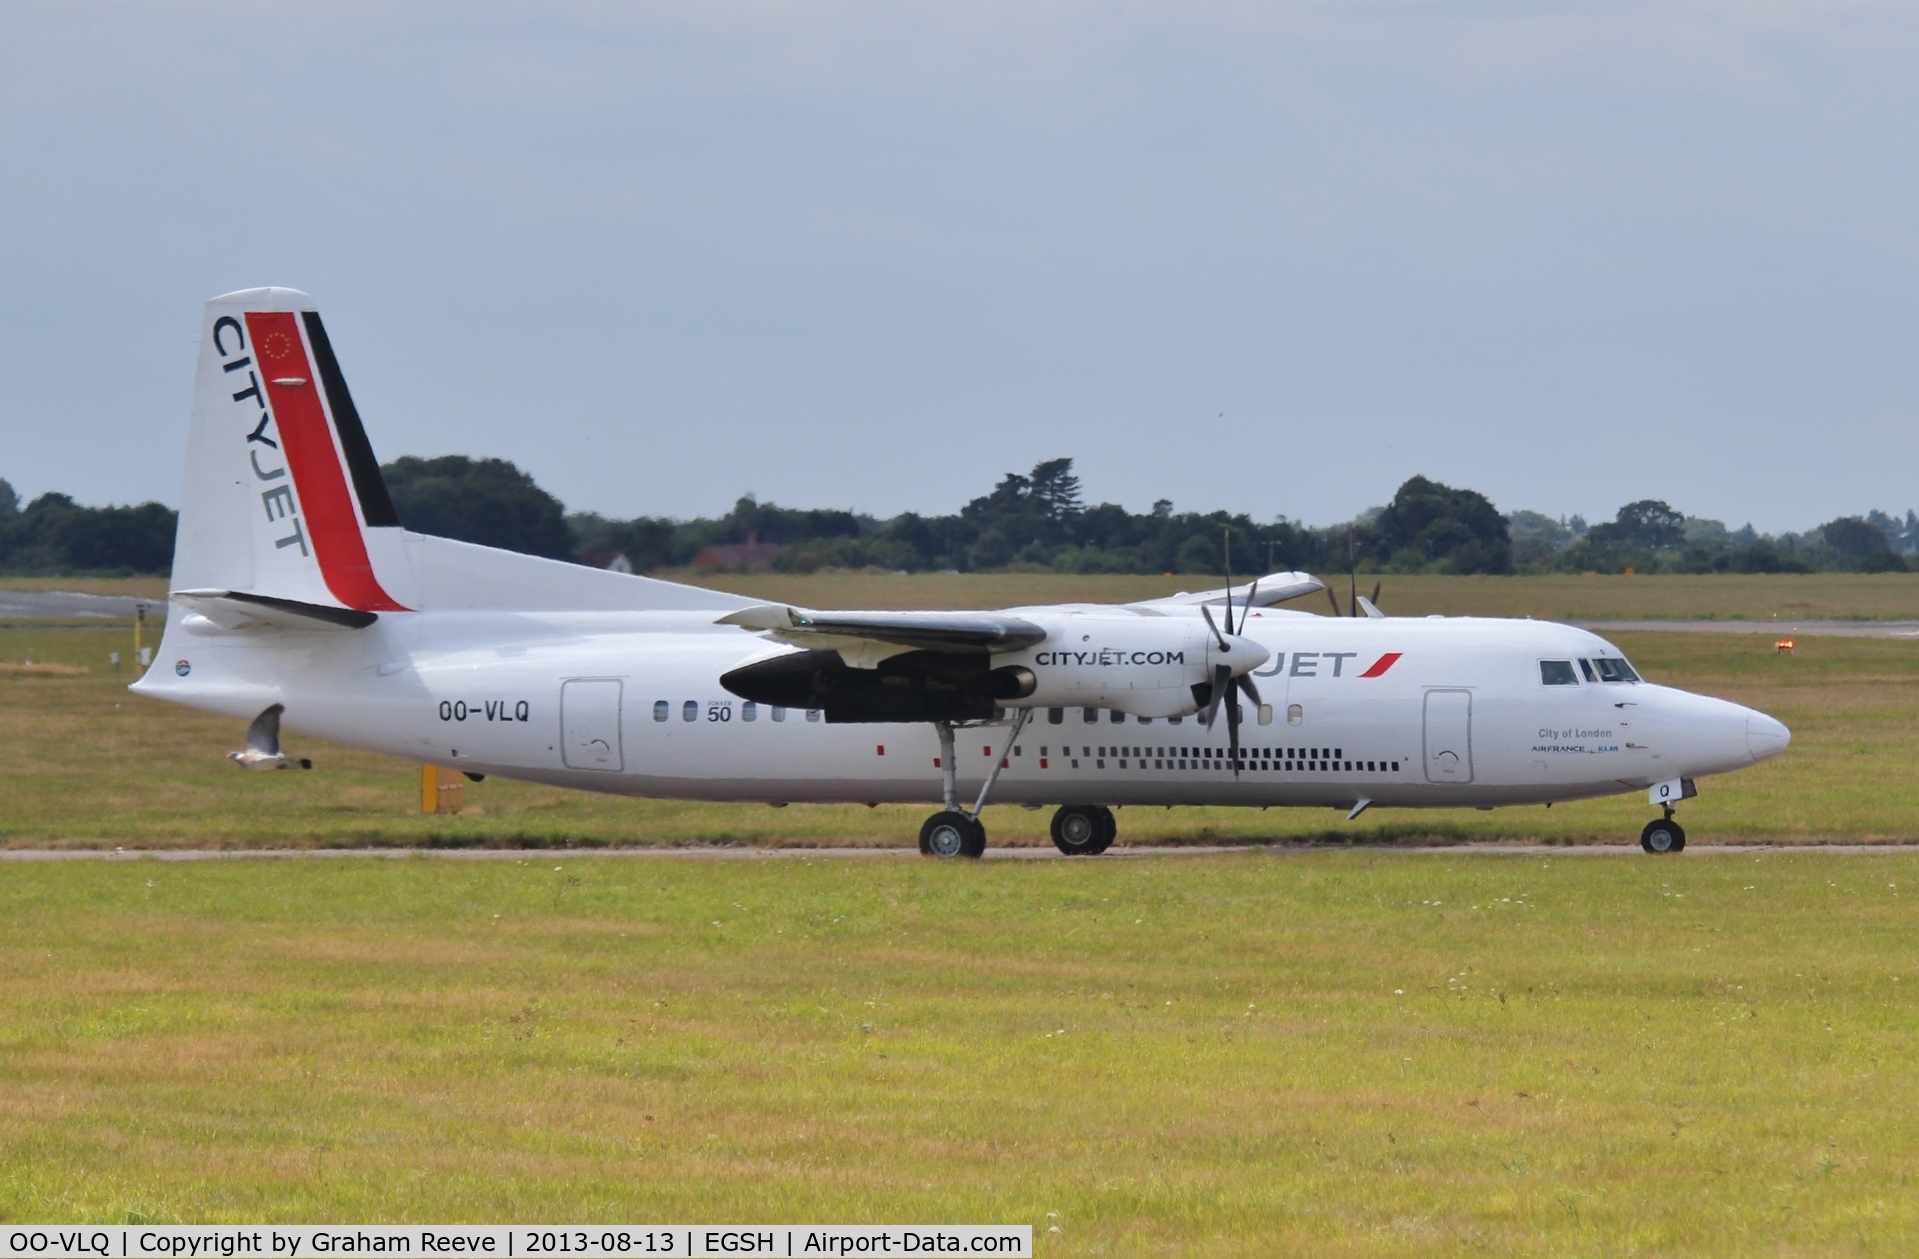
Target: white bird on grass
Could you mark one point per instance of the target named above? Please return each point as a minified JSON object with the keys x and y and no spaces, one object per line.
{"x":263,"y":744}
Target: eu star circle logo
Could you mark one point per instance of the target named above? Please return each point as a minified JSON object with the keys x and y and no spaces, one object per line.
{"x":182,"y":667}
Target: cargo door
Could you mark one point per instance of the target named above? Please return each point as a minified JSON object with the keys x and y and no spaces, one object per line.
{"x":590,"y":724}
{"x":1449,"y":736}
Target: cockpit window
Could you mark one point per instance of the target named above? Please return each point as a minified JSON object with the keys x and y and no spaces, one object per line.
{"x":1557,"y":673}
{"x":1614,"y":670}
{"x":1586,"y":667}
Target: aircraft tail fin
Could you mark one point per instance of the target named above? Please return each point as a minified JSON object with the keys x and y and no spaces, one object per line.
{"x":282,"y":486}
{"x":284,"y":506}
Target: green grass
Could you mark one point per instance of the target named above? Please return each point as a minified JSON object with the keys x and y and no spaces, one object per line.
{"x":1324,"y":1053}
{"x":1811,"y":596}
{"x":85,"y":763}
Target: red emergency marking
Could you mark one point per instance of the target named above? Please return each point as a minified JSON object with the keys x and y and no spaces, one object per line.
{"x":1042,"y":762}
{"x":1382,"y":664}
{"x":882,"y":749}
{"x":936,"y":762}
{"x":318,"y":475}
{"x":986,"y":751}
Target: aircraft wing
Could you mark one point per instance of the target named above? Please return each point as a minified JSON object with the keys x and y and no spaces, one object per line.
{"x":949,"y":632}
{"x":1273,"y":588}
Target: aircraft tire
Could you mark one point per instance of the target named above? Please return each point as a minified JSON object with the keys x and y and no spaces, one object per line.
{"x":950,"y":833}
{"x":1108,"y":828}
{"x":1079,"y":830}
{"x":1663,"y":836}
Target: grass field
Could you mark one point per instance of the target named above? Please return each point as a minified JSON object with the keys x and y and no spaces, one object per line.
{"x":1809,"y":596}
{"x":1276,"y":1052}
{"x":83,"y":762}
{"x":1326,"y":1053}
{"x":1812,"y":596}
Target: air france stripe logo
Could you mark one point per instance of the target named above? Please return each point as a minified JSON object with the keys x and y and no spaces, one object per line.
{"x":1382,"y":664}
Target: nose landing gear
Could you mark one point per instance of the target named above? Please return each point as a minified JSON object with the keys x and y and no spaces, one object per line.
{"x":1663,"y":835}
{"x":1084,"y":830}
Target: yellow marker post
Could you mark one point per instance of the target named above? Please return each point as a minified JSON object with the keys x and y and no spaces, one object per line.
{"x":441,"y":790}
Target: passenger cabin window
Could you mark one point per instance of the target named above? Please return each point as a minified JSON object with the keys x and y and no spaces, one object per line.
{"x":1557,"y":673}
{"x":1614,"y":670}
{"x":749,"y":711}
{"x":812,"y":714}
{"x":1055,"y":715}
{"x":690,"y":711}
{"x":779,"y":714}
{"x":661,"y":710}
{"x":1089,"y":715}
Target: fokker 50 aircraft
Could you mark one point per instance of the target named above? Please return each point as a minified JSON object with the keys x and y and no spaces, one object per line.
{"x":298,"y":598}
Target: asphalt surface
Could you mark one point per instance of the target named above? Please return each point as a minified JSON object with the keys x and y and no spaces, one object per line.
{"x":1003,"y":854}
{"x":1785,"y":629}
{"x":61,"y":605}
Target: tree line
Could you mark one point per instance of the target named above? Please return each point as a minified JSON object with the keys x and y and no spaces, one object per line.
{"x":1035,"y":521}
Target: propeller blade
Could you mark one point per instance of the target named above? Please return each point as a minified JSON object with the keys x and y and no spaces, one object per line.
{"x":1252,"y":593}
{"x":1208,"y":614}
{"x":1228,"y":543}
{"x":1232,"y":729}
{"x":1352,"y":592}
{"x":1375,"y":593}
{"x":1334,"y":600}
{"x":1222,"y":687}
{"x":1245,"y":683}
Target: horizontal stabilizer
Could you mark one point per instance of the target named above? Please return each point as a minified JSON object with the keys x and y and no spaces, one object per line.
{"x":239,"y":610}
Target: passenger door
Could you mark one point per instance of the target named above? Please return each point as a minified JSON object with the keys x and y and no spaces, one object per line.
{"x":1449,"y":736}
{"x":590,"y":724}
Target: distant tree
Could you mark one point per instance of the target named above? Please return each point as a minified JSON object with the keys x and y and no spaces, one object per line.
{"x":1647,"y":525}
{"x":1536,"y":537}
{"x":1429,"y":525}
{"x":1862,"y":544}
{"x":486,"y":501}
{"x":9,"y":502}
{"x":56,"y":535}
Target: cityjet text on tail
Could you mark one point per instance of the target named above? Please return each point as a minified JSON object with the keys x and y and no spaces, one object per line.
{"x":301,"y":604}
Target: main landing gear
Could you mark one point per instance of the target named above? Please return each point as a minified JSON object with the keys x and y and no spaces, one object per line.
{"x":1084,"y":830}
{"x":955,"y":831}
{"x":1663,"y":835}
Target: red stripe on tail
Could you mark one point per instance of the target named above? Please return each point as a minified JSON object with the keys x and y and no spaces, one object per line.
{"x":325,"y":499}
{"x":1382,"y":664}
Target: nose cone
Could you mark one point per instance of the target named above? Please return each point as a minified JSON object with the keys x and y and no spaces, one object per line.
{"x":1242,"y":655}
{"x":1764,"y":736}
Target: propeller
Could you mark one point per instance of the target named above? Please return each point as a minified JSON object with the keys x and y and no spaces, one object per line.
{"x":1334,"y":600}
{"x":1224,"y":682}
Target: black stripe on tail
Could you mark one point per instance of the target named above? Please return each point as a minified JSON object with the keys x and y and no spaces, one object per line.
{"x":376,"y":505}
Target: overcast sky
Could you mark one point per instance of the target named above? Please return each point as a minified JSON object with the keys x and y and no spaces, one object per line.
{"x":1269,"y":257}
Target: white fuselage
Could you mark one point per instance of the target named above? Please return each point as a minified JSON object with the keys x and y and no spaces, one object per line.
{"x":631,"y":703}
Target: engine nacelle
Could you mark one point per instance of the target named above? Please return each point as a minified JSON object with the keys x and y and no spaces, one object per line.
{"x":1145,"y":666}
